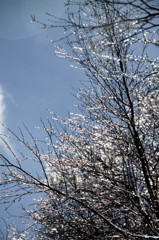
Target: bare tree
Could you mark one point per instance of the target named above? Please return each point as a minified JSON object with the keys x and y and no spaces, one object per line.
{"x":99,"y":170}
{"x":142,"y":13}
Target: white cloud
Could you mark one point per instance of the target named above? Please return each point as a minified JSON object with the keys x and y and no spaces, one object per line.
{"x":3,"y":130}
{"x":3,"y":147}
{"x":2,"y":110}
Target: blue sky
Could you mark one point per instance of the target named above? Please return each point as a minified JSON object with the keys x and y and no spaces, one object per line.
{"x":32,"y":78}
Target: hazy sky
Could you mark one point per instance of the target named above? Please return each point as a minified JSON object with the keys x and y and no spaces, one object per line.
{"x":32,"y":78}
